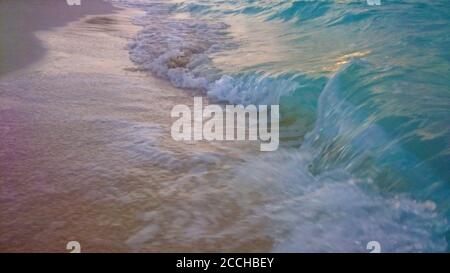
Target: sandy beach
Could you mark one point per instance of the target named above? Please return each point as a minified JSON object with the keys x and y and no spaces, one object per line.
{"x":86,"y":153}
{"x":19,"y":20}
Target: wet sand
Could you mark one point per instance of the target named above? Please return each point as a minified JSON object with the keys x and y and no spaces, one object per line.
{"x":20,"y":19}
{"x":86,"y":155}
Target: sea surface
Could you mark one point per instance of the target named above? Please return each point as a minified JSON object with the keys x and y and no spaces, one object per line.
{"x":364,"y":95}
{"x":86,"y":152}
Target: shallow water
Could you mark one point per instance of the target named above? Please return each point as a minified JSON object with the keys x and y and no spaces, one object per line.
{"x":86,"y":155}
{"x":365,"y":101}
{"x":86,"y":151}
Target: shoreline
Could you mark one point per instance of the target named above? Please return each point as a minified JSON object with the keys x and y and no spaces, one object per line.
{"x":88,"y":155}
{"x":44,"y":124}
{"x":22,"y":47}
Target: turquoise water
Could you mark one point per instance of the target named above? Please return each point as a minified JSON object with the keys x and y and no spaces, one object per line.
{"x":364,"y":93}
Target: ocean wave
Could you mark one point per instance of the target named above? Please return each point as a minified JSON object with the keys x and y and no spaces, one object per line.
{"x":363,"y":133}
{"x":333,"y":211}
{"x":362,"y":90}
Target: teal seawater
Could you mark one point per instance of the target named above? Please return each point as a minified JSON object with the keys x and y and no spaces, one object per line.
{"x":362,"y":89}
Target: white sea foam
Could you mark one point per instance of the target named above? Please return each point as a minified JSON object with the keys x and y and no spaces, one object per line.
{"x":180,"y":49}
{"x":333,"y":211}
